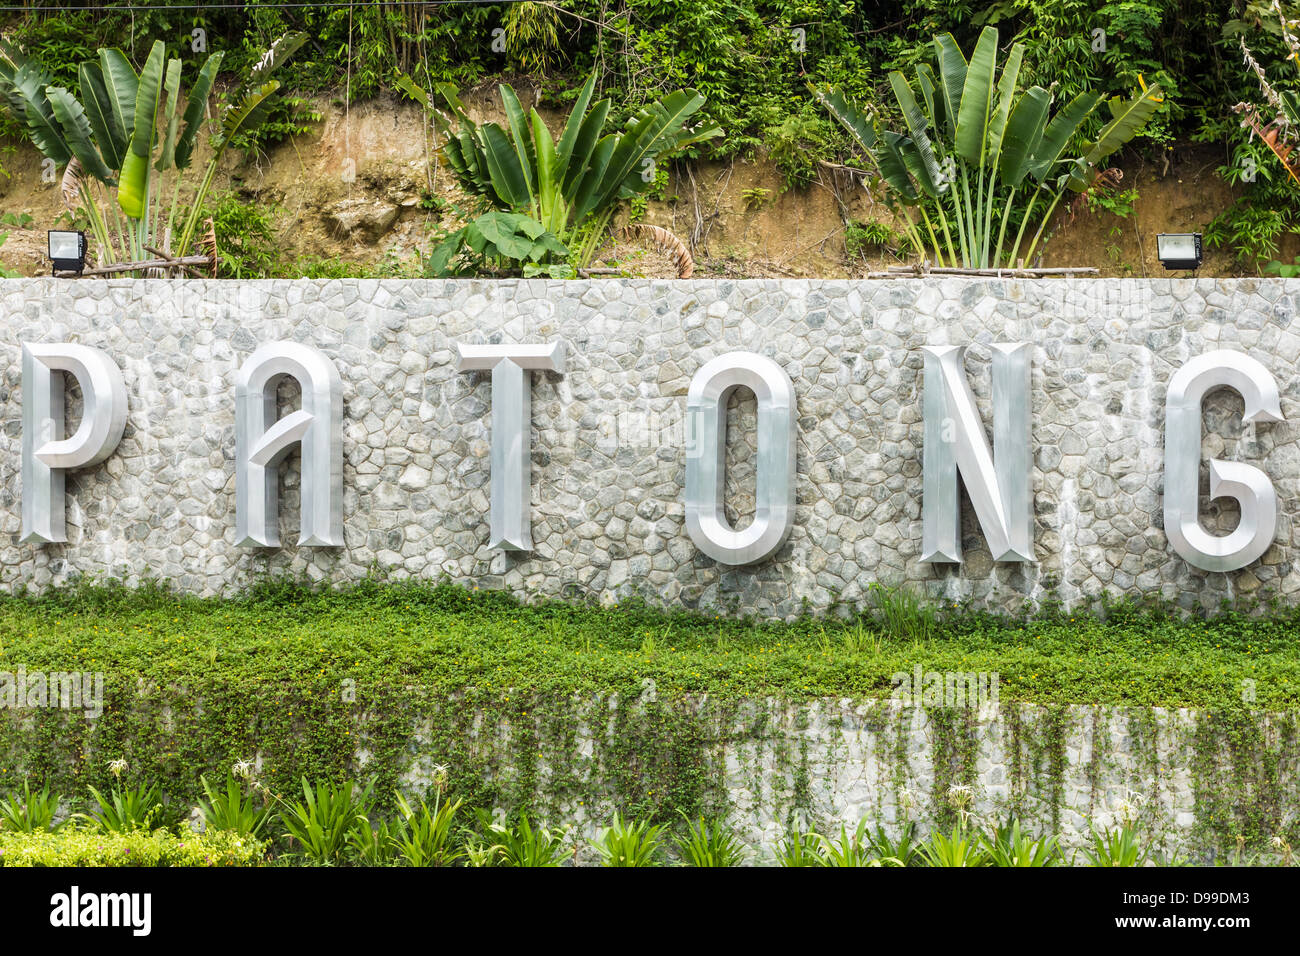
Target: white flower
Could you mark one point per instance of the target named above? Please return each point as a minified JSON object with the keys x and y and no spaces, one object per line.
{"x":441,"y":773}
{"x":959,"y":795}
{"x":117,"y":767}
{"x":243,"y":770}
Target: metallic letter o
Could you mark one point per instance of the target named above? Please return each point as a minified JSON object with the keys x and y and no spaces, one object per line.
{"x":706,"y":436}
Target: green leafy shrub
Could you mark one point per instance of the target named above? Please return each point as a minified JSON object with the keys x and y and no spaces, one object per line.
{"x":1118,"y":847}
{"x":852,"y":849}
{"x":30,"y":812}
{"x":959,"y":848}
{"x":424,"y":836}
{"x":520,"y":844}
{"x":499,"y":239}
{"x":320,"y":825}
{"x":799,"y":849}
{"x":1008,"y":845}
{"x":247,"y":246}
{"x":630,"y":844}
{"x":231,"y":809}
{"x":80,"y":846}
{"x":710,"y":843}
{"x":124,"y":809}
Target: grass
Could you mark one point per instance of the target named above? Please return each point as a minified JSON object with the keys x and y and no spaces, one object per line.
{"x":446,"y":638}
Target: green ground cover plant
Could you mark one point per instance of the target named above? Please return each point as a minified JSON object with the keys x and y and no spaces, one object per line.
{"x":307,"y":678}
{"x":446,"y":638}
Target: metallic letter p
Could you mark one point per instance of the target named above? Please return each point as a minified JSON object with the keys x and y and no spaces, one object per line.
{"x":46,"y":453}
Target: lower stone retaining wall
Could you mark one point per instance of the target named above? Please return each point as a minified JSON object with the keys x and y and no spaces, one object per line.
{"x":1193,"y":782}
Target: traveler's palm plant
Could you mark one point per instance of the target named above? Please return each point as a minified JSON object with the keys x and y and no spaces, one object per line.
{"x":571,"y":187}
{"x":976,"y":150}
{"x":128,"y":132}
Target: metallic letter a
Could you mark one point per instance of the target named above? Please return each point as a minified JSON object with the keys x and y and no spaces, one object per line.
{"x":46,"y":453}
{"x":955,"y":443}
{"x":262,"y":441}
{"x":512,"y":404}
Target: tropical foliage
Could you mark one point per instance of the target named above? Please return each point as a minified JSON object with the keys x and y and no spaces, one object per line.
{"x":340,"y":825}
{"x":130,"y":132}
{"x":570,"y":189}
{"x":973,"y":143}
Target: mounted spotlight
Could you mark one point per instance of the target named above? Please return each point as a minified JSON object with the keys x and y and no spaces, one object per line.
{"x":1179,"y":250}
{"x":67,"y":251}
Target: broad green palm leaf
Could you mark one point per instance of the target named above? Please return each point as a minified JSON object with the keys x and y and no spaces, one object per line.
{"x":988,"y":138}
{"x":1024,"y":131}
{"x":925,"y":167}
{"x":1128,"y":117}
{"x":562,"y":184}
{"x":195,"y":108}
{"x":977,"y":99}
{"x":79,"y":136}
{"x":103,"y":119}
{"x":133,"y":184}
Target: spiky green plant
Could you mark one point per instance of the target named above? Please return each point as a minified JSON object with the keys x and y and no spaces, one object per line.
{"x":30,"y":812}
{"x":572,"y":187}
{"x":630,"y":844}
{"x":710,"y":843}
{"x":521,"y":844}
{"x":129,"y":132}
{"x":1118,"y":847}
{"x":230,"y":808}
{"x":424,"y":836}
{"x":319,"y":825}
{"x":124,"y":809}
{"x":960,"y":848}
{"x":1009,"y":845}
{"x":972,"y":143}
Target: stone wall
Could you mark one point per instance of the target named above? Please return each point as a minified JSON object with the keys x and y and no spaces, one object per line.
{"x":608,"y":458}
{"x":1192,"y":783}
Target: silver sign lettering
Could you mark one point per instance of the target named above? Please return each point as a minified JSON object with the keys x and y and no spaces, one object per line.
{"x":511,"y":439}
{"x":47,"y":455}
{"x":263,"y":440}
{"x":1251,"y":488}
{"x":997,"y":481}
{"x":706,"y":435}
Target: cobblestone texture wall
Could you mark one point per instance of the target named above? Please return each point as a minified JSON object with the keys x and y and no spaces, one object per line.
{"x":608,"y":458}
{"x":1182,"y":778}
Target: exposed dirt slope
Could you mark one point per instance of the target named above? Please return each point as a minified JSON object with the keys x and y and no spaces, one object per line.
{"x":366,"y":187}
